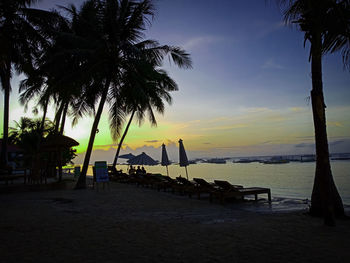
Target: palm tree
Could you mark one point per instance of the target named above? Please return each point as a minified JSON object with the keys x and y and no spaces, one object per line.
{"x":142,"y":91}
{"x":47,"y":83}
{"x":113,"y":28}
{"x":33,"y":87}
{"x":20,"y":38}
{"x":27,"y":134}
{"x":326,"y":25}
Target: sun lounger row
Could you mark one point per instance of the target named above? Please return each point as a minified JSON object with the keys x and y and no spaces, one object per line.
{"x":221,"y":190}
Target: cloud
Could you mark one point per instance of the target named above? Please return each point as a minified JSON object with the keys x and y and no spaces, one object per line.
{"x":266,"y":142}
{"x":170,"y":143}
{"x":335,"y":124}
{"x":297,"y":109}
{"x":106,"y":147}
{"x":266,"y":28}
{"x":152,"y":141}
{"x":304,"y":145}
{"x":334,"y":143}
{"x":310,"y":137}
{"x":334,"y":146}
{"x":256,"y":109}
{"x":227,"y":127}
{"x":339,"y":137}
{"x":200,"y":41}
{"x":271,"y":64}
{"x":276,"y":118}
{"x":339,"y":146}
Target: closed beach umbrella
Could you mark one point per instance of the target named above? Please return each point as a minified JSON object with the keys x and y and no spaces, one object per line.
{"x":142,"y":159}
{"x":183,"y":157}
{"x":165,"y":159}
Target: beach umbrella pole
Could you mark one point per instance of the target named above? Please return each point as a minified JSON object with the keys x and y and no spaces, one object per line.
{"x":167,"y":172}
{"x":186,"y":172}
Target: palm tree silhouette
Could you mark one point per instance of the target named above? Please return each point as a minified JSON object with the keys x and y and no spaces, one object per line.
{"x":110,"y":31}
{"x":27,"y":134}
{"x":326,"y":25}
{"x":144,"y":88}
{"x":54,"y":78}
{"x":21,"y":37}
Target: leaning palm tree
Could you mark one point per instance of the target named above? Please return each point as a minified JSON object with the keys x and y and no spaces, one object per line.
{"x":144,"y":89}
{"x":114,"y":27}
{"x":20,"y":38}
{"x":326,"y":25}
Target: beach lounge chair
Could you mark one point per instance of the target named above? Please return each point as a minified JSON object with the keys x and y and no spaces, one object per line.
{"x":185,"y":186}
{"x":166,"y":182}
{"x":224,"y":185}
{"x":205,"y":187}
{"x":228,"y":190}
{"x":149,"y":180}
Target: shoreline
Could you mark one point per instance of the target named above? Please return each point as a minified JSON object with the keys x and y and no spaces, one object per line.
{"x":281,"y":203}
{"x":133,"y":224}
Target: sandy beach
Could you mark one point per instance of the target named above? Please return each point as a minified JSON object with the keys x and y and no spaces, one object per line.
{"x":131,"y":224}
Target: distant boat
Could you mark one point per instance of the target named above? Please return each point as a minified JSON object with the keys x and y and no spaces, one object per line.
{"x":307,"y":158}
{"x":275,"y":160}
{"x":246,"y":161}
{"x":340,"y":158}
{"x":216,"y":160}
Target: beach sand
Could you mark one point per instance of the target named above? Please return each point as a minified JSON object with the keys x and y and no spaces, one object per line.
{"x":131,"y":224}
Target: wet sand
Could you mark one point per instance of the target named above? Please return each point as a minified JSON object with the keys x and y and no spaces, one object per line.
{"x":131,"y":224}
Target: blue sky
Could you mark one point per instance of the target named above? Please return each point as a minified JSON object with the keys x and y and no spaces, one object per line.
{"x":247,"y":93}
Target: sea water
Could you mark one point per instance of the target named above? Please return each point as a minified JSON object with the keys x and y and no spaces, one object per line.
{"x":292,"y":180}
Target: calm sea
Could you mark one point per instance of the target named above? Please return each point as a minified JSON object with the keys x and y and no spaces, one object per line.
{"x":291,"y":180}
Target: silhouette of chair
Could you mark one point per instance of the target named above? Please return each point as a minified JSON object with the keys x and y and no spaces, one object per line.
{"x":205,"y":187}
{"x":185,"y":186}
{"x":165,"y":182}
{"x":228,"y":190}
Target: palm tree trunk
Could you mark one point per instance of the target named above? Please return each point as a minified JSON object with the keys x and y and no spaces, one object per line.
{"x":58,"y":117}
{"x":122,"y":139}
{"x":325,"y":199}
{"x":5,"y":82}
{"x":63,"y":121}
{"x":44,"y":117}
{"x":81,"y":184}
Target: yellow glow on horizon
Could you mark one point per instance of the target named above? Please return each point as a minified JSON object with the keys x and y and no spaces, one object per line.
{"x":244,"y":130}
{"x":261,"y":126}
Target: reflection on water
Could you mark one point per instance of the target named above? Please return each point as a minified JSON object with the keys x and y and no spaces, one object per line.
{"x":292,"y":180}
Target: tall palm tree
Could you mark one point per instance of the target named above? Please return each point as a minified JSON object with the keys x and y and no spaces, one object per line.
{"x":144,"y":88}
{"x":20,"y":38}
{"x":326,"y":26}
{"x":113,"y":28}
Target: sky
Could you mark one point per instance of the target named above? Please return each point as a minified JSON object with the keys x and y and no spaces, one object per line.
{"x":247,"y":94}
